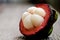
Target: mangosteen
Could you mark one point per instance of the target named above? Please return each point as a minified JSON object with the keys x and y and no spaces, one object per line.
{"x":37,"y":22}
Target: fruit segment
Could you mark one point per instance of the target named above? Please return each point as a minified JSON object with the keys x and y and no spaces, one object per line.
{"x":40,"y":11}
{"x":31,"y":10}
{"x":25,"y":14}
{"x":27,"y":22}
{"x":37,"y":20}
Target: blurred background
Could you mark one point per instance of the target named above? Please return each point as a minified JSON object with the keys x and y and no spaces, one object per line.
{"x":11,"y":12}
{"x":53,"y":3}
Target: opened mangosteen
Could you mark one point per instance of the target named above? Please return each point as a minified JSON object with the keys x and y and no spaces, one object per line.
{"x":37,"y":22}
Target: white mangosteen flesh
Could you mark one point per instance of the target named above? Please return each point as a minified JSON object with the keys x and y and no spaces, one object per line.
{"x":33,"y":17}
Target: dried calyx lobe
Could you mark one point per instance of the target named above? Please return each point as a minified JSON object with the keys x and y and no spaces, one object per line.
{"x":44,"y":33}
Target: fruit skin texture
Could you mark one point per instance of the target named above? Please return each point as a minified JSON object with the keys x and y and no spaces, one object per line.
{"x":45,"y":32}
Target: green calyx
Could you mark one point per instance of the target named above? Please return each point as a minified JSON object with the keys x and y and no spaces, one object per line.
{"x":50,"y":31}
{"x":52,"y":20}
{"x":56,"y":15}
